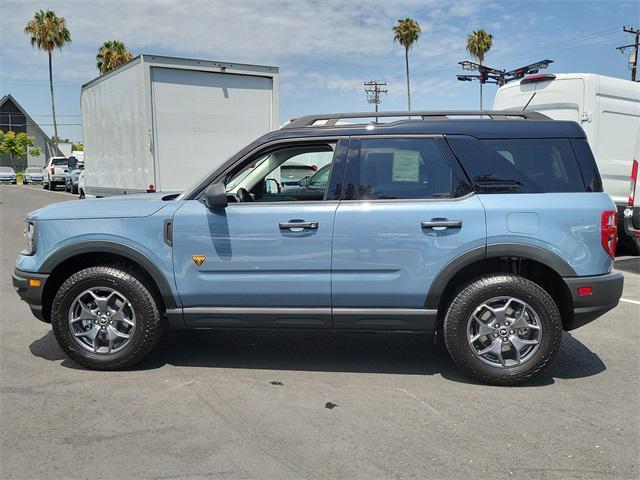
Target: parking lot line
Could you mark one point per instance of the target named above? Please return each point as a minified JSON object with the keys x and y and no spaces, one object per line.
{"x":635,"y":302}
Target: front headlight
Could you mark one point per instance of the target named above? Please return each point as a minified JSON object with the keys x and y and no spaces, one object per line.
{"x":30,"y":237}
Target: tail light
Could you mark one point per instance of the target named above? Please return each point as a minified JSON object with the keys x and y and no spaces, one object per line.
{"x":634,"y":178}
{"x":609,"y":231}
{"x":53,"y":170}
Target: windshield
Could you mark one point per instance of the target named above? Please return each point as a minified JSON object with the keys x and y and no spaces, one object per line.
{"x":33,"y":170}
{"x":6,"y":169}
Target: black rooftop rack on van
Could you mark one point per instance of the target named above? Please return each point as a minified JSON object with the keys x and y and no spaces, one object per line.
{"x":331,"y":119}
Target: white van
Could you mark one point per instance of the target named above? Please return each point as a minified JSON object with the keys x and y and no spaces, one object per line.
{"x":607,"y":108}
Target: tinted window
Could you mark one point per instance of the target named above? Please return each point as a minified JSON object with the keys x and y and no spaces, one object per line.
{"x":587,"y":163}
{"x":519,"y":165}
{"x":59,"y":161}
{"x":395,"y":168}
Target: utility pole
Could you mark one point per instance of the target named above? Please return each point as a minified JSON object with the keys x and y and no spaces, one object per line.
{"x":373,"y":91}
{"x":633,"y":56}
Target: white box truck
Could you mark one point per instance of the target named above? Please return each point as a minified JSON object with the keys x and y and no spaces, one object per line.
{"x":607,"y":108}
{"x":161,"y":123}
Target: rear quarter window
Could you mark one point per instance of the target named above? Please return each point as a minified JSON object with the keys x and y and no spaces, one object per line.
{"x":538,"y":165}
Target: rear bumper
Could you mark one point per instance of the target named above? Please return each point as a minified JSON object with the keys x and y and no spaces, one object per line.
{"x":632,"y":221}
{"x":32,"y":296}
{"x":606,"y":292}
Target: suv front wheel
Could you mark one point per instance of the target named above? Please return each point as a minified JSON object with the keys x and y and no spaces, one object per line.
{"x":105,"y":318}
{"x":503,"y":329}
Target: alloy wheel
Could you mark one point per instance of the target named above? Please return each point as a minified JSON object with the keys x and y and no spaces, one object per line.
{"x":102,"y":320}
{"x":504,"y":332}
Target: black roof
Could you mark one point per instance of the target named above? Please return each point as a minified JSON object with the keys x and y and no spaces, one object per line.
{"x":480,"y":124}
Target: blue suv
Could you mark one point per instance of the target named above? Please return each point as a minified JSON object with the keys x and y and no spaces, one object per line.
{"x":488,"y":229}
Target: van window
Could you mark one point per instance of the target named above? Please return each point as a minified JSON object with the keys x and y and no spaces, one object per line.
{"x":521,"y":165}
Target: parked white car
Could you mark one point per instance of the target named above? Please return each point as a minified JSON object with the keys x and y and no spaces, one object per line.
{"x":7,"y":175}
{"x":32,"y":175}
{"x":55,"y":172}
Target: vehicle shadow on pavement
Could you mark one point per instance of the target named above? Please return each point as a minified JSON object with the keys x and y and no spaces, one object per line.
{"x":405,"y":354}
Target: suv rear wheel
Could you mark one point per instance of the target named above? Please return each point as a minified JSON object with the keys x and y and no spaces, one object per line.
{"x":105,"y":318}
{"x":503,"y":329}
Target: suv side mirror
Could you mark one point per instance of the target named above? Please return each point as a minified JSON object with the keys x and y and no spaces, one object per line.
{"x":215,"y":197}
{"x":72,"y":162}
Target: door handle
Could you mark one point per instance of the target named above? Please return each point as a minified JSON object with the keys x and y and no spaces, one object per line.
{"x":441,"y":224}
{"x":295,"y":224}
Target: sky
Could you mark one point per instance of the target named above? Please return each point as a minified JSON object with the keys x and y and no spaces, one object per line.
{"x":325,"y":49}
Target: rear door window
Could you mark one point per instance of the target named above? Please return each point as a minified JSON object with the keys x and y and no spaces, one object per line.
{"x":399,"y":168}
{"x":519,"y":165}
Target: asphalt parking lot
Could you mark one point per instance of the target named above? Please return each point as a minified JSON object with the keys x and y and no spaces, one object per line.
{"x":309,"y":405}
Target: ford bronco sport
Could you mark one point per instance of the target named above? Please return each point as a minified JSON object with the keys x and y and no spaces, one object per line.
{"x":489,"y":229}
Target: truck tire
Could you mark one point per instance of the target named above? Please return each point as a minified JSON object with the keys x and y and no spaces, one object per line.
{"x":630,"y":245}
{"x":45,"y":185}
{"x":502,"y":329}
{"x":105,"y":318}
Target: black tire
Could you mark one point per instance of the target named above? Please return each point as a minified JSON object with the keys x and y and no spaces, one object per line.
{"x":475,"y":294}
{"x":148,"y":326}
{"x":630,"y":245}
{"x":82,"y":195}
{"x":53,"y":186}
{"x":45,"y":185}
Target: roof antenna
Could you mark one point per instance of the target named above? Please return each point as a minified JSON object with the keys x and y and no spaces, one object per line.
{"x":525,"y":107}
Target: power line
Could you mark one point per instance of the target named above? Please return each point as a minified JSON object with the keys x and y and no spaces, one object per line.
{"x":633,"y":56}
{"x":373,"y":91}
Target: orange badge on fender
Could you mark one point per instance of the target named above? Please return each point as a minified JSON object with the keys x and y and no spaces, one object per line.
{"x":198,"y":259}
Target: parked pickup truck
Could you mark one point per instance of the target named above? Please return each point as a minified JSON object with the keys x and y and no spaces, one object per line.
{"x":55,"y":172}
{"x":494,"y":234}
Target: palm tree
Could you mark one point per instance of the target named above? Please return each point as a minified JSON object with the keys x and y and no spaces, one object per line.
{"x":479,"y":43}
{"x":48,"y":31}
{"x":111,"y":55}
{"x":406,"y":33}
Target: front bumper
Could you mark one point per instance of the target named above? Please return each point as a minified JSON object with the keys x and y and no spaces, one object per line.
{"x":606,"y":291}
{"x":31,"y":295}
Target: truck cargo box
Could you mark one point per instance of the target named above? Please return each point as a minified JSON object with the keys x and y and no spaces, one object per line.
{"x":161,"y":123}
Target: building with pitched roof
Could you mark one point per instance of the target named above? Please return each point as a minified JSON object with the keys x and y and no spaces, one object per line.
{"x":15,"y":118}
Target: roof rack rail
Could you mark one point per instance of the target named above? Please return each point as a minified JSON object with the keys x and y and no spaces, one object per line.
{"x":330,"y":119}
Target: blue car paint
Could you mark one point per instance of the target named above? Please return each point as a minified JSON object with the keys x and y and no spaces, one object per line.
{"x":250,"y":260}
{"x":125,"y":206}
{"x":568,"y":224}
{"x":383,"y":258}
{"x":136,"y":223}
{"x":370,"y":254}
